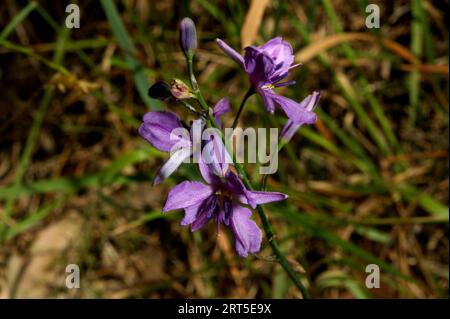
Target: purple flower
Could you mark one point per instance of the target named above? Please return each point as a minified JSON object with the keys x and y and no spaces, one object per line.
{"x":266,"y":66}
{"x":221,"y":199}
{"x":291,"y":126}
{"x":165,"y":132}
{"x":221,"y":107}
{"x":160,"y":129}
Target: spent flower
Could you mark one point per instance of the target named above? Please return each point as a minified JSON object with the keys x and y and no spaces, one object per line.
{"x":181,"y":90}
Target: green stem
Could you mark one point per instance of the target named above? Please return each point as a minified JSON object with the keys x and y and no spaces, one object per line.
{"x":192,"y":78}
{"x":271,"y":239}
{"x":241,"y":107}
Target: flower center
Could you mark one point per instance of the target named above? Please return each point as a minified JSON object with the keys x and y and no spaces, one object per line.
{"x":268,"y":86}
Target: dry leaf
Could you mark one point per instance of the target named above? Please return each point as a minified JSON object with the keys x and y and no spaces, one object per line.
{"x":253,"y":21}
{"x":320,"y":46}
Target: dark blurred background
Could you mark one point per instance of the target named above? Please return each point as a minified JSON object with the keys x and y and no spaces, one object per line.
{"x":368,"y":183}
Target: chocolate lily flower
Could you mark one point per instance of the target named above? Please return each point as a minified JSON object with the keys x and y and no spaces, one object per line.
{"x":221,"y":199}
{"x":266,"y":66}
{"x":165,"y":132}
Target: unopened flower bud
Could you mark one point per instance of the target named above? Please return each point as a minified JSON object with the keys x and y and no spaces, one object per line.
{"x":180,"y":90}
{"x":188,"y":37}
{"x":160,"y":90}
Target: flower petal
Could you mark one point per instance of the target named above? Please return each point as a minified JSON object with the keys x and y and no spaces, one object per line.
{"x":234,"y":184}
{"x":272,"y":42}
{"x":157,"y":129}
{"x":205,"y":213}
{"x":289,"y":129}
{"x":221,"y":107}
{"x":268,"y":102}
{"x":253,"y":198}
{"x":246,"y":232}
{"x":190,"y":213}
{"x":310,"y":102}
{"x":294,"y":111}
{"x":282,"y":56}
{"x":186,"y":194}
{"x":259,"y":197}
{"x":207,"y":173}
{"x":172,"y":164}
{"x":231,"y":52}
{"x":258,"y":65}
{"x":214,"y":153}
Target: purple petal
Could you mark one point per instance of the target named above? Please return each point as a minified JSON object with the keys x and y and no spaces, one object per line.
{"x":221,"y":107}
{"x":157,"y":128}
{"x":257,"y":197}
{"x":282,"y":55}
{"x":225,"y":211}
{"x":205,"y":212}
{"x":310,"y":102}
{"x":258,"y":65}
{"x":268,"y":102}
{"x":289,"y":129}
{"x":272,"y":42}
{"x":231,"y":52}
{"x":172,"y":164}
{"x":235,"y":186}
{"x":247,"y":234}
{"x":215,"y":154}
{"x":294,"y":111}
{"x":207,"y":173}
{"x":190,"y":213}
{"x":187,"y":194}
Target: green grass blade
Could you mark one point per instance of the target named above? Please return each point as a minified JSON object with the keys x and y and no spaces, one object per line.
{"x":416,"y":49}
{"x":125,"y":41}
{"x":106,"y":176}
{"x":11,"y":26}
{"x":33,"y":219}
{"x":33,"y":135}
{"x":315,"y":230}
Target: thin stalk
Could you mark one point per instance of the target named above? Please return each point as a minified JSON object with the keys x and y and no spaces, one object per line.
{"x":192,"y":78}
{"x":241,"y":107}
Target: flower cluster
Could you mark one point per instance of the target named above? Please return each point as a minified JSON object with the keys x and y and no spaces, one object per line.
{"x":223,"y":197}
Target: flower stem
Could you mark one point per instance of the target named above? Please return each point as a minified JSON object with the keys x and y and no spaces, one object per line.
{"x":192,"y":78}
{"x":271,"y":238}
{"x":241,"y":107}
